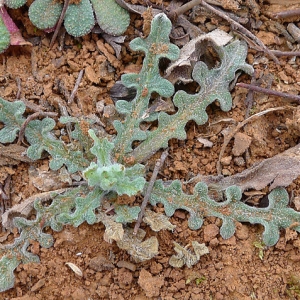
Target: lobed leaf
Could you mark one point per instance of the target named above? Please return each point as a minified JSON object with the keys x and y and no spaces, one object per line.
{"x":274,"y":217}
{"x":214,"y":86}
{"x":11,"y":115}
{"x":148,"y":81}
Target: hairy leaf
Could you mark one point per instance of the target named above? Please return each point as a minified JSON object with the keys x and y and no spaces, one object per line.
{"x":274,"y":217}
{"x":214,"y":86}
{"x":155,"y":47}
{"x":111,"y":17}
{"x":11,"y":115}
{"x":4,"y":36}
{"x":44,"y":14}
{"x":83,"y":12}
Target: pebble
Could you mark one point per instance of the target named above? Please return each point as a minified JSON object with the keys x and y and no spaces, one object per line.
{"x":126,"y":264}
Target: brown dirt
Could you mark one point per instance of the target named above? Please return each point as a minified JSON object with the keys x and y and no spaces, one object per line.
{"x":234,"y":268}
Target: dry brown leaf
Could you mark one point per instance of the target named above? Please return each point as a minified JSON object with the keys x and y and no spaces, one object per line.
{"x":278,"y":171}
{"x":24,"y":208}
{"x":181,"y":69}
{"x":12,"y":155}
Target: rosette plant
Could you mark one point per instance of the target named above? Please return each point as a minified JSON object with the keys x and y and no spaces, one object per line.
{"x":79,"y":19}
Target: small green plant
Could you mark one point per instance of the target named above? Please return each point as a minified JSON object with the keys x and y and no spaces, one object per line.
{"x":261,"y":247}
{"x":44,"y":14}
{"x":113,"y":166}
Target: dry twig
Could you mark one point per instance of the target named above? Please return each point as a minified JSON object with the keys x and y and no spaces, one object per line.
{"x":18,"y":80}
{"x":71,"y":98}
{"x":287,"y":13}
{"x":158,"y":165}
{"x":58,"y":25}
{"x":32,"y":117}
{"x":255,"y":88}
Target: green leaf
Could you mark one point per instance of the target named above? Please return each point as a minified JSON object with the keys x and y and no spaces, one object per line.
{"x":44,"y":14}
{"x":82,"y":11}
{"x":4,"y":36}
{"x":11,"y":115}
{"x":126,"y":214}
{"x":110,"y":176}
{"x":111,"y":17}
{"x":85,"y":209}
{"x":7,"y":267}
{"x":214,"y":85}
{"x":38,"y":134}
{"x":14,"y":3}
{"x":274,"y":217}
{"x":156,"y":46}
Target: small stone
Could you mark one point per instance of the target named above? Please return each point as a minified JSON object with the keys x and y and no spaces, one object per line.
{"x":100,"y":263}
{"x":214,"y":243}
{"x":241,"y":143}
{"x":225,"y":161}
{"x":226,"y":172}
{"x":150,"y":284}
{"x":242,"y":231}
{"x":91,"y":75}
{"x":126,"y":264}
{"x":210,"y":232}
{"x":231,"y":241}
{"x":179,"y":214}
{"x":239,"y":161}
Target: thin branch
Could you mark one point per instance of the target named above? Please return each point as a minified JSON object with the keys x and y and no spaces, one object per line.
{"x":285,"y":53}
{"x":287,"y":13}
{"x":259,"y":89}
{"x":71,"y":98}
{"x":32,"y":117}
{"x":158,"y":165}
{"x":18,"y":80}
{"x":58,"y":25}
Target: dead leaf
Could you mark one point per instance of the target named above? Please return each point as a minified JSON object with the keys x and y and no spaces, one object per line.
{"x":138,"y":249}
{"x":12,"y":154}
{"x":23,"y":209}
{"x":181,"y":69}
{"x":17,"y":39}
{"x":278,"y":171}
{"x":137,"y":9}
{"x":184,"y":256}
{"x":115,"y":42}
{"x":157,"y":221}
{"x":206,"y":143}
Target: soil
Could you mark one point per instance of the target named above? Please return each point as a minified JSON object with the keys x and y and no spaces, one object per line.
{"x":238,"y":268}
